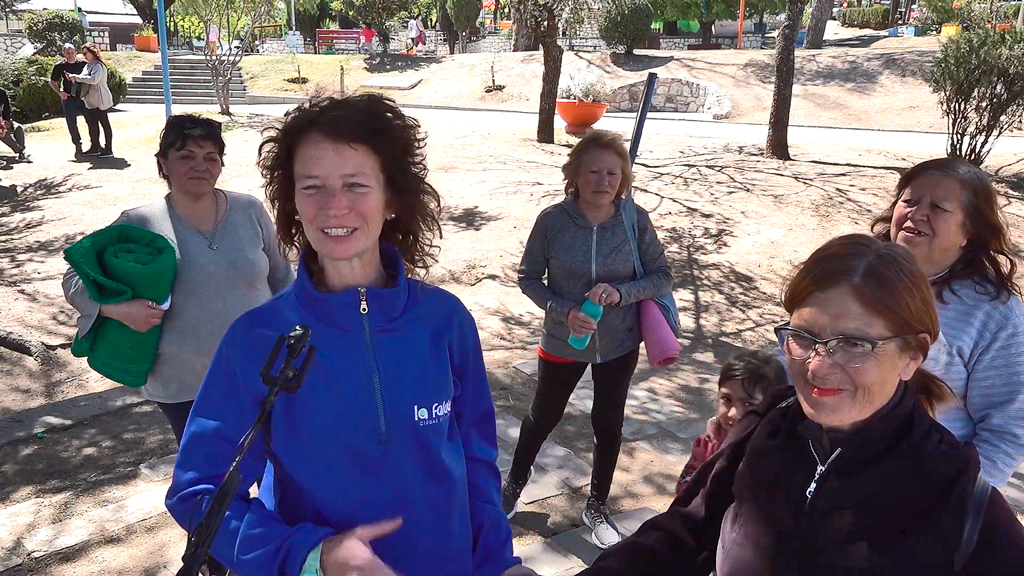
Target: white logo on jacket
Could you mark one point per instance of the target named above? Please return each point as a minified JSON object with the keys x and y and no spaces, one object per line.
{"x":436,"y":413}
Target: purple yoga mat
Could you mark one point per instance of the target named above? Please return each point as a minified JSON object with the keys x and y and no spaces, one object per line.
{"x":662,"y":345}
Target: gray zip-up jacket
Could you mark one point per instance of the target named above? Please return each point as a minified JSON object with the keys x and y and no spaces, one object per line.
{"x":576,"y":256}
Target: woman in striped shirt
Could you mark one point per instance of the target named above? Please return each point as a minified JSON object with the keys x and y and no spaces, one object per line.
{"x":946,"y":212}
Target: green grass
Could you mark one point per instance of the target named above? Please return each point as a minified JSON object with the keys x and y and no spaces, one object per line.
{"x":269,"y":74}
{"x":131,"y":64}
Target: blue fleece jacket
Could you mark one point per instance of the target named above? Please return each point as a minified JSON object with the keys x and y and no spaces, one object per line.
{"x":395,"y":418}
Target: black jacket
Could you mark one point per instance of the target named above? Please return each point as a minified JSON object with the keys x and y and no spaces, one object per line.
{"x":893,"y":502}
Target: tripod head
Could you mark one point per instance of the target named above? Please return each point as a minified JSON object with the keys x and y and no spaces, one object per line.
{"x":289,"y":379}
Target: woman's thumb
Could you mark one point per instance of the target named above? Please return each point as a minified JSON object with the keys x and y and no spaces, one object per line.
{"x":368,"y":532}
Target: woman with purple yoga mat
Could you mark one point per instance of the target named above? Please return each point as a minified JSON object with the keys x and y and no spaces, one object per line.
{"x":582,"y":246}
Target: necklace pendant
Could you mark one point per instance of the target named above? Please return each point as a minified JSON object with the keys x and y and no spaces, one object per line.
{"x":213,"y":246}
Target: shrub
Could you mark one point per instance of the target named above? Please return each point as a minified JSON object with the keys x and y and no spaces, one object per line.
{"x":874,"y":18}
{"x":625,"y":24}
{"x":117,"y":83}
{"x":50,"y":29}
{"x":977,"y":78}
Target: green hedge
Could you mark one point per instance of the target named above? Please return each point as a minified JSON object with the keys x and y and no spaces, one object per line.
{"x":874,"y":18}
{"x":28,"y":82}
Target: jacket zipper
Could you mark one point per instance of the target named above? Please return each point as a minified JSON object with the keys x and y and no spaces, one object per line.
{"x":593,"y":281}
{"x":364,"y":310}
{"x":818,"y":471}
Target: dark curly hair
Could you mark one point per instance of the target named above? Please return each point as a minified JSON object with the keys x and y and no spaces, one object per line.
{"x":989,"y":257}
{"x":180,"y":129}
{"x":396,"y":140}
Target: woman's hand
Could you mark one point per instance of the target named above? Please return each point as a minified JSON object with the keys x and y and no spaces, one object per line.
{"x":604,"y":295}
{"x":579,"y":323}
{"x":71,"y":77}
{"x":138,"y":314}
{"x":349,"y":554}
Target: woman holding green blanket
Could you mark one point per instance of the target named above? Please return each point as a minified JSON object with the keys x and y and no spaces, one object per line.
{"x":228,"y":262}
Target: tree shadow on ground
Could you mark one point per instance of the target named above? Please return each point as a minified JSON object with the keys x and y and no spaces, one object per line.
{"x":857,"y":71}
{"x":19,"y":199}
{"x":469,"y":218}
{"x":639,"y":62}
{"x":21,"y":243}
{"x":397,"y":63}
{"x":717,"y":173}
{"x":718,"y":303}
{"x":71,"y":466}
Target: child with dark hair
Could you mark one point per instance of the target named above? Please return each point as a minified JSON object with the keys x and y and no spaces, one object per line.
{"x":744,"y":381}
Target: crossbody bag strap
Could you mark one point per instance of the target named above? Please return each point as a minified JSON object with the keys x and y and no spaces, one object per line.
{"x":628,"y":210}
{"x":976,"y":506}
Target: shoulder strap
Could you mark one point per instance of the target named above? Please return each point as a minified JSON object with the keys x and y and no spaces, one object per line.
{"x":628,"y":210}
{"x":976,"y":506}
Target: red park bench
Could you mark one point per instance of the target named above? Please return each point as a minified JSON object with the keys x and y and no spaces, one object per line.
{"x":337,"y":41}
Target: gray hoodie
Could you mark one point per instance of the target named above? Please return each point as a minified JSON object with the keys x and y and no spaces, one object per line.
{"x":576,"y":256}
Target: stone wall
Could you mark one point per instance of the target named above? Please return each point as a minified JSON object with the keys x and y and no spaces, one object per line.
{"x":674,"y":95}
{"x":99,"y":37}
{"x":11,"y":43}
{"x":751,"y":40}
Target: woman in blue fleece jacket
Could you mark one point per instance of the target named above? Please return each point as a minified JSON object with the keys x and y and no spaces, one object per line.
{"x":384,"y":461}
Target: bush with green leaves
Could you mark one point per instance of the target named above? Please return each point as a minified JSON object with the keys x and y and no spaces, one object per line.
{"x":977,"y":76}
{"x":874,"y":18}
{"x":50,"y":29}
{"x":117,"y":83}
{"x":625,"y":24}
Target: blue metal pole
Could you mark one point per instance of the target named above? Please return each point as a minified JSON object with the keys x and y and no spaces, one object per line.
{"x":161,"y":20}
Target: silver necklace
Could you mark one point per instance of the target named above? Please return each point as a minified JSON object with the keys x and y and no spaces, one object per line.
{"x":211,"y":240}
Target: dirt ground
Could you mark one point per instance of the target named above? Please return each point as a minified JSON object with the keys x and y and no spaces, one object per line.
{"x":733,"y":223}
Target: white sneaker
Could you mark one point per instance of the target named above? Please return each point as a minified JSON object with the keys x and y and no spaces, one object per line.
{"x":605,"y":533}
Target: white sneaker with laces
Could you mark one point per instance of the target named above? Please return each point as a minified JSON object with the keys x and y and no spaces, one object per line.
{"x":605,"y":533}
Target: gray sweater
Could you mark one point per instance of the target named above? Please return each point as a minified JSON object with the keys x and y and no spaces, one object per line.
{"x":212,"y":288}
{"x":575,"y":256}
{"x":980,"y":355}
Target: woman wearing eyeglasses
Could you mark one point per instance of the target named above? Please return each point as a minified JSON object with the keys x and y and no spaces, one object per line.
{"x":846,"y":472}
{"x":228,"y":263}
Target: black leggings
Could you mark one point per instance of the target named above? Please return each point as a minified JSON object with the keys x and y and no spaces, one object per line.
{"x":177,"y":415}
{"x":555,"y":383}
{"x":94,"y":119}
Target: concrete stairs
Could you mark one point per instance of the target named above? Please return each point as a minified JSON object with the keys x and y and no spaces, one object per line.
{"x":191,"y":83}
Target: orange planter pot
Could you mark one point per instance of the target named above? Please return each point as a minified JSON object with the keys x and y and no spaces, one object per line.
{"x":579,"y":116}
{"x":146,"y":43}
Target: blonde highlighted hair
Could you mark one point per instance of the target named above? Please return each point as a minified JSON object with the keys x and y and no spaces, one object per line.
{"x":597,"y":140}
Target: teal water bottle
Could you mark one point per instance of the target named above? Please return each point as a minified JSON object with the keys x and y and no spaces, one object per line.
{"x":594,"y":311}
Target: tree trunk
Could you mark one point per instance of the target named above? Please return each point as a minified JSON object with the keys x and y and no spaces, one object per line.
{"x":524,"y":38}
{"x":39,"y":351}
{"x":816,"y":27}
{"x":706,"y":28}
{"x":549,"y":81}
{"x":782,"y":96}
{"x":894,"y":10}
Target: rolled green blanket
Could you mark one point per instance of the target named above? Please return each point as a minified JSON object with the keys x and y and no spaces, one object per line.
{"x":119,"y":263}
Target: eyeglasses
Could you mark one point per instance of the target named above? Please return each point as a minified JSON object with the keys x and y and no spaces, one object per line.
{"x":847,"y":351}
{"x":194,"y":125}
